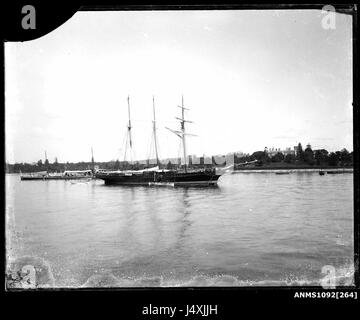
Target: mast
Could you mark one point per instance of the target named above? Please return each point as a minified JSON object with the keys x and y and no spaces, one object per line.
{"x":129,"y":125}
{"x":154,"y":133}
{"x":182,"y":121}
{"x":92,"y":159}
{"x":128,"y":137}
{"x":46,"y":161}
{"x":181,"y":134}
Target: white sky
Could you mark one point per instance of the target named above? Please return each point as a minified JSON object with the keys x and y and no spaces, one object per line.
{"x":251,"y":79}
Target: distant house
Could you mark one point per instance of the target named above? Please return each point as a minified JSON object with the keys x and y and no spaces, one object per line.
{"x":273,"y":151}
{"x":289,"y":151}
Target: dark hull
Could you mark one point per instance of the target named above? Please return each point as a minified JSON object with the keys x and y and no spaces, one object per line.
{"x":169,"y":178}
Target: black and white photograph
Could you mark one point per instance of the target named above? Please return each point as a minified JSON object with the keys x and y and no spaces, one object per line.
{"x":177,"y":148}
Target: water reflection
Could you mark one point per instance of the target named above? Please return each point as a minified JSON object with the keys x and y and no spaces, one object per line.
{"x":185,"y":223}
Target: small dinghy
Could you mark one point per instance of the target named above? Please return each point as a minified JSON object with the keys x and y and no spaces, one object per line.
{"x":161,"y":184}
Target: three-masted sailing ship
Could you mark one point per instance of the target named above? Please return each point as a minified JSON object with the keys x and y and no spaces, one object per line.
{"x":182,"y":176}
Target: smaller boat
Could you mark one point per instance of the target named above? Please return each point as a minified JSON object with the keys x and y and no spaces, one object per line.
{"x":162,"y":184}
{"x":78,"y":174}
{"x":321,"y":173}
{"x":66,"y":175}
{"x":41,"y":175}
{"x":282,"y":172}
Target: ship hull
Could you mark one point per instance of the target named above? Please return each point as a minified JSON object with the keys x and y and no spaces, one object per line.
{"x":168,"y":178}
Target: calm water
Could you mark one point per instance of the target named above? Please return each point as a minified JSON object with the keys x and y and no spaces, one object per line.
{"x":254,"y":229}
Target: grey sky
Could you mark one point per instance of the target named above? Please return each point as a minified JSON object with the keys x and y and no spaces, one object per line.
{"x":251,"y":79}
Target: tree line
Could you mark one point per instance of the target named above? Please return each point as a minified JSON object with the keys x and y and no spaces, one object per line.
{"x":306,"y":157}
